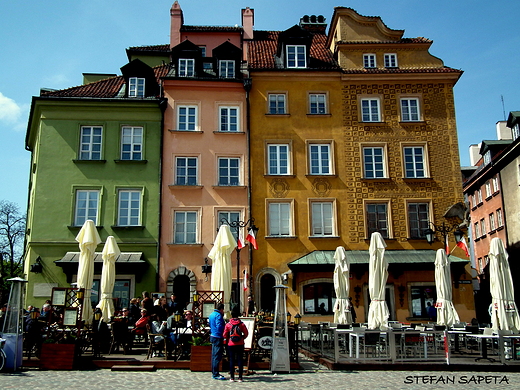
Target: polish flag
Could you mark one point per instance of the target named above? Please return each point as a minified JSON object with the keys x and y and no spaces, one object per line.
{"x":251,"y":238}
{"x":245,"y":280}
{"x":240,"y":243}
{"x":462,"y":245}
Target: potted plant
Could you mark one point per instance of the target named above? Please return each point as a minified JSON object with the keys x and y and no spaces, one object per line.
{"x":58,"y":355}
{"x":200,"y":354}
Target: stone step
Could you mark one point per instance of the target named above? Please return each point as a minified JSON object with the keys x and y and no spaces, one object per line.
{"x":128,"y":367}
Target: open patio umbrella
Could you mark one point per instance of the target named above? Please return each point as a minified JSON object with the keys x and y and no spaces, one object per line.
{"x":88,"y":239}
{"x":446,"y":313}
{"x":221,"y":255}
{"x":504,"y":315}
{"x":108,"y":277}
{"x":377,"y":275}
{"x":341,"y":287}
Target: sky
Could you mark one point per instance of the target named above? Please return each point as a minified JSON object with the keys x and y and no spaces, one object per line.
{"x":50,"y":44}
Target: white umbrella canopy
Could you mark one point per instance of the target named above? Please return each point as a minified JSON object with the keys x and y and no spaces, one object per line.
{"x":221,"y":278}
{"x":504,"y":315}
{"x":377,"y":275}
{"x":446,"y":313}
{"x":341,"y":287}
{"x":108,"y":277}
{"x":88,"y":239}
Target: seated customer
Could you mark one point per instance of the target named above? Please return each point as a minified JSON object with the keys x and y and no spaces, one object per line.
{"x":157,"y":328}
{"x":140,"y":325}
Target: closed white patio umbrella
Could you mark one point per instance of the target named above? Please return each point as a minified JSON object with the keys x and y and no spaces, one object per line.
{"x":341,"y":287}
{"x":504,"y":314}
{"x":88,"y":239}
{"x":108,"y":277}
{"x":221,"y":278}
{"x":446,"y":313}
{"x":377,"y":275}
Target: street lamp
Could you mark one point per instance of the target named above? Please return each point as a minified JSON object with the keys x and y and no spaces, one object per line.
{"x":444,"y":230}
{"x":297,"y":319}
{"x":236,"y":225}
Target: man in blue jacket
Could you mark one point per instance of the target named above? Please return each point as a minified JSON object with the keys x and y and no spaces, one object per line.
{"x":217,"y":324}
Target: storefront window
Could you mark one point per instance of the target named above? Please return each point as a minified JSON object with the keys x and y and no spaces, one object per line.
{"x":421,"y":296}
{"x":319,"y":298}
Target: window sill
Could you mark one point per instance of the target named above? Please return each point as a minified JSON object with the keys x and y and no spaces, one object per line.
{"x":281,"y":237}
{"x":383,"y":179}
{"x":131,"y":161}
{"x":74,"y":228}
{"x":288,"y":175}
{"x":76,"y":161}
{"x":185,"y":187}
{"x":488,"y":198}
{"x":229,"y":187}
{"x":194,"y":245}
{"x":384,"y":238}
{"x":319,"y":115}
{"x":379,"y":123}
{"x":405,"y":123}
{"x":492,"y":232}
{"x":228,"y":132}
{"x":416,"y":179}
{"x":117,"y":227}
{"x":324,"y":237}
{"x":321,"y":175}
{"x":500,"y":228}
{"x":185,"y":131}
{"x":268,"y":114}
{"x":496,"y":193}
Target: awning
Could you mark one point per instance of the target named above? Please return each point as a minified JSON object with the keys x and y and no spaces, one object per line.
{"x":126,"y":263}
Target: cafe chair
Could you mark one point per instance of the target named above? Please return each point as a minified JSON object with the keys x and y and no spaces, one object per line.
{"x":154,"y":347}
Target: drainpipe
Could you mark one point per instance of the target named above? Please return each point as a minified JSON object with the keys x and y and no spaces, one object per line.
{"x":248,"y":83}
{"x":163,"y":103}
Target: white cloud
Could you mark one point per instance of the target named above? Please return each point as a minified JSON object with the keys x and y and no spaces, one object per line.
{"x":10,"y":111}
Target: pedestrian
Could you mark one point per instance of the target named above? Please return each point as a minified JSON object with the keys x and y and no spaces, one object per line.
{"x":235,"y":332}
{"x":251,"y":307}
{"x":432,"y":311}
{"x":217,"y":324}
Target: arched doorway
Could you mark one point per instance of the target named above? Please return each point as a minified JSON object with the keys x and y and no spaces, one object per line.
{"x":267,"y":292}
{"x":183,"y":283}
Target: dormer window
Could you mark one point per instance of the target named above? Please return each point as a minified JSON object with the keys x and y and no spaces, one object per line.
{"x":390,"y":60}
{"x":369,"y":60}
{"x":186,"y":67}
{"x":487,"y":157}
{"x":296,"y":56}
{"x":136,"y":87}
{"x":516,"y":131}
{"x":226,"y":69}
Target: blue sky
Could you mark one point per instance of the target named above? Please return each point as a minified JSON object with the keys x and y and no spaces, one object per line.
{"x":49,"y":44}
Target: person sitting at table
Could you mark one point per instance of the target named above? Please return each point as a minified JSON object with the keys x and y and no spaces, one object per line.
{"x":161,"y":309}
{"x":140,"y":325}
{"x":134,"y":312}
{"x":158,"y":328}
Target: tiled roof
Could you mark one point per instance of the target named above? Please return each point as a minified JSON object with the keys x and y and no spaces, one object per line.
{"x":402,"y":40}
{"x":444,"y":69}
{"x":263,"y":51}
{"x":185,"y":28}
{"x":159,"y":48}
{"x":108,"y":88}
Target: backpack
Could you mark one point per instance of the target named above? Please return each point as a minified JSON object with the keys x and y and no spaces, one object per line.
{"x":236,"y":334}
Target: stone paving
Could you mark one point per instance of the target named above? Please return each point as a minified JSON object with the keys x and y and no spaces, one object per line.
{"x":313,"y":376}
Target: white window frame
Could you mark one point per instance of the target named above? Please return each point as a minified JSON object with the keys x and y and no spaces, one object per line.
{"x":229,"y":119}
{"x":420,"y":221}
{"x":229,"y":175}
{"x":91,"y":210}
{"x":202,"y":50}
{"x":186,"y":67}
{"x":226,"y":69}
{"x":370,"y":109}
{"x":479,"y":196}
{"x":477,"y":230}
{"x":280,"y":217}
{"x":483,"y":227}
{"x":279,"y":161}
{"x":130,"y":219}
{"x":191,"y":119}
{"x":323,"y":219}
{"x":416,"y":166}
{"x":387,"y":218}
{"x":320,"y":158}
{"x":184,"y":228}
{"x":487,"y":157}
{"x":500,"y":219}
{"x":410,"y":109}
{"x":136,"y":87}
{"x":227,"y":214}
{"x":496,"y":184}
{"x":91,"y":145}
{"x":277,"y":103}
{"x":372,"y":160}
{"x":515,"y":131}
{"x":296,"y":56}
{"x":390,"y":60}
{"x":492,"y":222}
{"x":489,"y":194}
{"x":186,"y":173}
{"x":369,"y":61}
{"x":132,"y":140}
{"x":318,"y":103}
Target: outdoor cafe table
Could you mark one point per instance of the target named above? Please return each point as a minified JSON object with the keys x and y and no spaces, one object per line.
{"x":457,"y":334}
{"x":484,"y":337}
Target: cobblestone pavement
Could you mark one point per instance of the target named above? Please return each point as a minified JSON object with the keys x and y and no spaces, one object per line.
{"x":312,"y":377}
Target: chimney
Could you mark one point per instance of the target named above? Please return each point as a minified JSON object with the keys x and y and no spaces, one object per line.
{"x":248,"y":21}
{"x":503,"y":132}
{"x":313,"y":23}
{"x":177,"y":20}
{"x":474,"y":154}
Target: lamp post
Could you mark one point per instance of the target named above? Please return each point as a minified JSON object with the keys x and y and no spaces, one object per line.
{"x":297,"y":319}
{"x":444,"y":230}
{"x":236,"y":225}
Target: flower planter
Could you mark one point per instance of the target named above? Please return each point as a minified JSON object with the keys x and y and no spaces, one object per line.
{"x":200,"y":358}
{"x":57,"y":356}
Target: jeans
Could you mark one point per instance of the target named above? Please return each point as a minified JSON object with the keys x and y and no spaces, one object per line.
{"x":236,"y":353}
{"x":217,"y":350}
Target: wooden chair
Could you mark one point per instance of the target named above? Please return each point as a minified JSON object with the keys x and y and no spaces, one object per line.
{"x":153,"y":346}
{"x":120,"y":336}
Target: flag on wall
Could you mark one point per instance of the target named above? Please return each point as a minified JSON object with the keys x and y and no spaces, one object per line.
{"x":462,"y":245}
{"x":240,"y":241}
{"x":246,"y":276}
{"x":251,"y":238}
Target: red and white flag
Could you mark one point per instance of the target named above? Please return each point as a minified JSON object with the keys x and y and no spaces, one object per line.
{"x":245,"y":280}
{"x":462,"y":245}
{"x":241,"y":243}
{"x":251,"y":238}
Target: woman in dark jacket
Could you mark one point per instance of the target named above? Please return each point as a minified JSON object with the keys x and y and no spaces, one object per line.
{"x":235,"y":343}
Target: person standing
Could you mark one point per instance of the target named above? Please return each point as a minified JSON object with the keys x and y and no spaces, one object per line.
{"x":235,"y":332}
{"x":217,"y":324}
